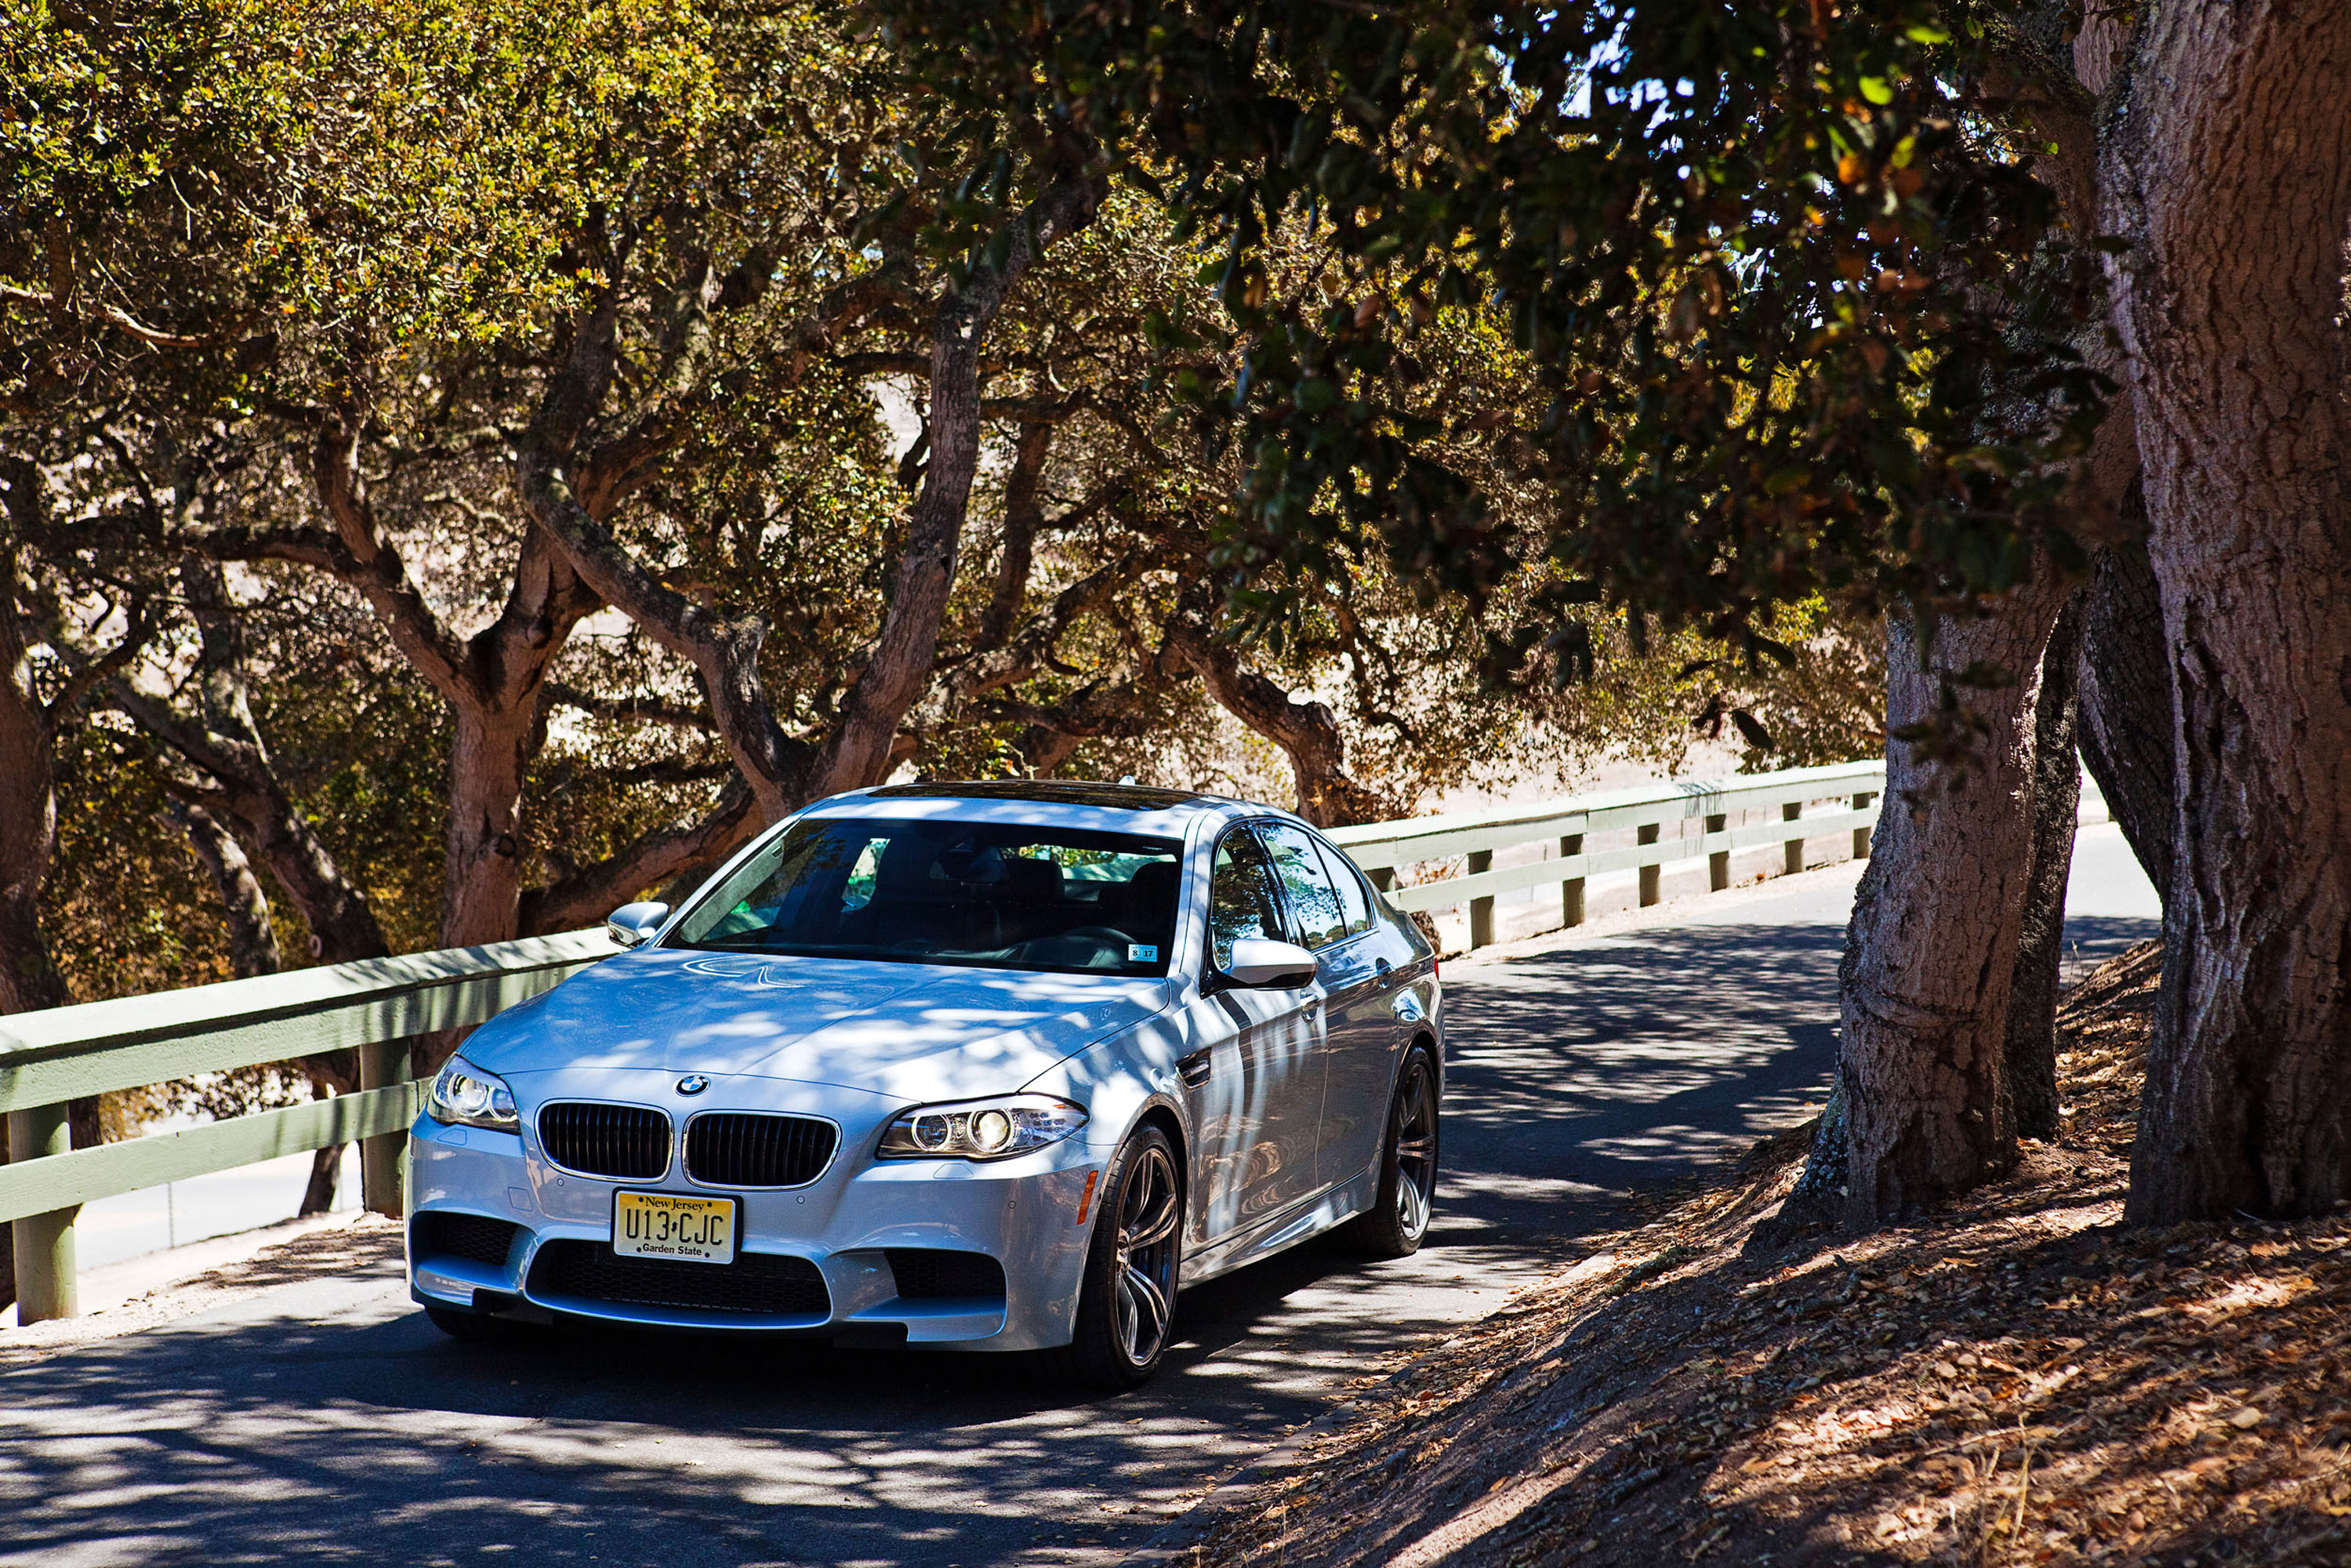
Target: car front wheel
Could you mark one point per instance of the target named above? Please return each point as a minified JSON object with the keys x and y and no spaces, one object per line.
{"x":1127,"y":1305}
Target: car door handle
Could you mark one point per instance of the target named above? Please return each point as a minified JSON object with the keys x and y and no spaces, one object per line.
{"x":1384,"y":968}
{"x":1195,"y":1068}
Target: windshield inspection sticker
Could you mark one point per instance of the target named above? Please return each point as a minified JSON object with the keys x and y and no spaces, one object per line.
{"x":1142,"y":953}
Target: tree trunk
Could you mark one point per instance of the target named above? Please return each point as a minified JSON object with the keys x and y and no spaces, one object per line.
{"x":2231,"y":184}
{"x":28,"y":814}
{"x":2031,"y":1045}
{"x":498,"y":732}
{"x":2126,"y":731}
{"x":1307,"y":731}
{"x":29,"y":837}
{"x":1931,"y":950}
{"x":252,"y":939}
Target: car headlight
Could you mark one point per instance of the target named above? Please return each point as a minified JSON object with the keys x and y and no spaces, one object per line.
{"x":980,"y":1129}
{"x":462,"y":1094}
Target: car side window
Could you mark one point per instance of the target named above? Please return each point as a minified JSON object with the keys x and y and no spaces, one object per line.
{"x":1355,"y":903}
{"x":1305,"y":887}
{"x":1241,"y":896}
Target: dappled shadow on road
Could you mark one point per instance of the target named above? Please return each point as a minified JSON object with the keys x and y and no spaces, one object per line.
{"x":1583,"y":1072}
{"x":363,"y":1433}
{"x":344,"y":1425}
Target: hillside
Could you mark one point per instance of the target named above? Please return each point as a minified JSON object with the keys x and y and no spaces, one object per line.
{"x":2015,"y":1379}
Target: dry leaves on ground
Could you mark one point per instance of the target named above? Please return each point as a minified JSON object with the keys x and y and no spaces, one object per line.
{"x":2016,"y":1379}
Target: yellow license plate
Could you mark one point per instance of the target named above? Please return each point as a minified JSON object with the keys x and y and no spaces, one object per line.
{"x":666,"y":1225}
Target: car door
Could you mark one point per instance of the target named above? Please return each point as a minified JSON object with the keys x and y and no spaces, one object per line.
{"x":1254,"y":1076}
{"x":1332,"y":915}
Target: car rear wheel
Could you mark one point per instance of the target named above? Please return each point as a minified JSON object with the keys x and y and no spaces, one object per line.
{"x":1127,"y":1306}
{"x":1399,"y":1216}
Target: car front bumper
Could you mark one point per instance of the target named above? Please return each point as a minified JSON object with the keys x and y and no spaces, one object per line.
{"x":860,"y":1225}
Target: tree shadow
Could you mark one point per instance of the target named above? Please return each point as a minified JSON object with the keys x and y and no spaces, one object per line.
{"x":300,"y":1426}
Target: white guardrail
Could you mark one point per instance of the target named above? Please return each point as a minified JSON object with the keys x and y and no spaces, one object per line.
{"x":50,"y":1058}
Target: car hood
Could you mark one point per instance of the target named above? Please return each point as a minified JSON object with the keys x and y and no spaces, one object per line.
{"x":916,"y":1030}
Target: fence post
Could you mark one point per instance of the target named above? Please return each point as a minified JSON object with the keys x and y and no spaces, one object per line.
{"x":1861,"y":834}
{"x":44,"y":1242}
{"x":1789,"y":813}
{"x":380,"y":1066}
{"x":1570,"y":891}
{"x":1646,"y":833}
{"x":1717,"y":864}
{"x":1481,"y":910}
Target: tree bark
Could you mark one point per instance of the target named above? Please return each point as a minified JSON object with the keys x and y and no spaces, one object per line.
{"x":1327,"y":796}
{"x":2230,"y":179}
{"x":2126,"y":731}
{"x":1930,"y":954}
{"x":244,"y":908}
{"x":2031,"y":1045}
{"x":29,"y":814}
{"x":491,"y":680}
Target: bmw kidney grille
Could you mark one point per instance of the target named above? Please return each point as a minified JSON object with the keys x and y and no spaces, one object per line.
{"x":630,"y":1141}
{"x":740,"y":1149}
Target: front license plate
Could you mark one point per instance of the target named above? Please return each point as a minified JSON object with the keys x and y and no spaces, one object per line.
{"x":664,"y":1225}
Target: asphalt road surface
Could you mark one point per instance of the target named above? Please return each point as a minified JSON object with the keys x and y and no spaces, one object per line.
{"x":328,"y":1420}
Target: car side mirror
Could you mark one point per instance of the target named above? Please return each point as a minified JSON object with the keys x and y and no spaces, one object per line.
{"x":633,"y":925}
{"x":1259,"y":962}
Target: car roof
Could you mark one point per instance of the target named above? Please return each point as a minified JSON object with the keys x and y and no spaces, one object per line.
{"x":1049,"y":791}
{"x":1070,"y":803}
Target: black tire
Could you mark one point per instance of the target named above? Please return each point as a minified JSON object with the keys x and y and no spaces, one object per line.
{"x":1126,"y":1308}
{"x":473,"y":1328}
{"x":1399,"y":1216}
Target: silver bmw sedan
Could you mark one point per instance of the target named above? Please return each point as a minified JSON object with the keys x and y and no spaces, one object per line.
{"x":974,"y":1066}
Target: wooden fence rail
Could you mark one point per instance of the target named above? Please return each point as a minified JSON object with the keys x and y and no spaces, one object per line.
{"x":50,"y":1058}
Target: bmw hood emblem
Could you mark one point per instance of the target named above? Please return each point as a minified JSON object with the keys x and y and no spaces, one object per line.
{"x":693,"y":1084}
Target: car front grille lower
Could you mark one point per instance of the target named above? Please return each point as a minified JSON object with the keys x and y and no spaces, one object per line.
{"x":443,"y":1233}
{"x":757,"y":1284}
{"x":728,"y":1148}
{"x":932,"y":1273}
{"x":630,"y":1141}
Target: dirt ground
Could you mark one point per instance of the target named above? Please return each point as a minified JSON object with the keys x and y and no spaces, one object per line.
{"x":2016,"y":1379}
{"x":309,"y":1251}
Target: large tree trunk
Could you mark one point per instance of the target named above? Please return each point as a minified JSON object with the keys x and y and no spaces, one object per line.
{"x":2230,"y":179}
{"x":498,"y":732}
{"x":28,"y":813}
{"x":28,"y":835}
{"x":2031,"y":1036}
{"x":2126,"y":731}
{"x":1931,"y":951}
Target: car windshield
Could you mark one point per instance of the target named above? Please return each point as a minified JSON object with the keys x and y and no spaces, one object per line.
{"x":990,"y":894}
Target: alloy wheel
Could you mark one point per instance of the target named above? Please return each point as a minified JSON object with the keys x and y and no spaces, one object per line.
{"x":1415,"y":1148}
{"x":1148,"y":1213}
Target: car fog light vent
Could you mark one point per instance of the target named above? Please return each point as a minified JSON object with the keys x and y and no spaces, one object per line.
{"x":933,"y":1272}
{"x":630,"y":1141}
{"x":441,"y":1233}
{"x":741,"y":1149}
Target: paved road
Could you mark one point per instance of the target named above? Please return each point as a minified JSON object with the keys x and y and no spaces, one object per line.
{"x":328,"y":1420}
